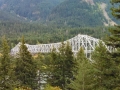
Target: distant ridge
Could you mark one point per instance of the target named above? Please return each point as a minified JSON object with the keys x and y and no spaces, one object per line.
{"x":34,"y":10}
{"x":73,"y":13}
{"x":82,"y":13}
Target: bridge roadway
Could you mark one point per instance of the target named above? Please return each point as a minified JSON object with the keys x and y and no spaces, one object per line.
{"x":87,"y":42}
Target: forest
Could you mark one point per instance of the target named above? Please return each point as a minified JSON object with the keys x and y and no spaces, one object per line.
{"x":35,"y":32}
{"x":72,"y":13}
{"x":59,"y":70}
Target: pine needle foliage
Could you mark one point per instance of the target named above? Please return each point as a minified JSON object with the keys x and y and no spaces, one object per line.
{"x":84,"y":73}
{"x":25,"y":70}
{"x":104,"y":68}
{"x":6,"y":81}
{"x":114,"y":42}
{"x":63,"y":64}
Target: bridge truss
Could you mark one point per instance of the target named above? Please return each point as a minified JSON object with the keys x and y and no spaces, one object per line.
{"x":87,"y":42}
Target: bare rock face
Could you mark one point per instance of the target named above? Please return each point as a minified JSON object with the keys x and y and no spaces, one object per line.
{"x":109,"y":20}
{"x":90,"y":2}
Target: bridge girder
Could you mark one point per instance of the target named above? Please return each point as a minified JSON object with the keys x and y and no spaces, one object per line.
{"x":87,"y":42}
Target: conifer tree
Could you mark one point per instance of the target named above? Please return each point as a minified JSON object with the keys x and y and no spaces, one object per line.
{"x":54,"y":66}
{"x":69,"y":63}
{"x":25,"y":70}
{"x":83,"y":77}
{"x":104,"y":68}
{"x":63,"y":66}
{"x":57,"y":72}
{"x":114,"y":42}
{"x":43,"y":66}
{"x":6,"y":81}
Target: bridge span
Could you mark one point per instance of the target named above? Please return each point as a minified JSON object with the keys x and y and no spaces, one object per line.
{"x":87,"y":42}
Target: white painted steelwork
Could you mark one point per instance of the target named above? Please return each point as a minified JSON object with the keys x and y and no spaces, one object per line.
{"x":87,"y":42}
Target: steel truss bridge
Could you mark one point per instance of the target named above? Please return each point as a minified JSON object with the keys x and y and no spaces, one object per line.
{"x":87,"y":42}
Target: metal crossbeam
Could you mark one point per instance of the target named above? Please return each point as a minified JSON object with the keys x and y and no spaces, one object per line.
{"x":87,"y":42}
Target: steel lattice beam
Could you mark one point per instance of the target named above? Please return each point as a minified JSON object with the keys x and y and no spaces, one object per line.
{"x":87,"y":42}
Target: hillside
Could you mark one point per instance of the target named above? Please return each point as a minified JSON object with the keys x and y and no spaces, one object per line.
{"x":6,"y":16}
{"x":70,"y":13}
{"x":63,"y":21}
{"x":39,"y":33}
{"x":82,"y":13}
{"x":29,"y":9}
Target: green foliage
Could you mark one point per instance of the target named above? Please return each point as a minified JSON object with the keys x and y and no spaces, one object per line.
{"x":6,"y":82}
{"x":6,"y":16}
{"x":73,"y":13}
{"x":35,"y":32}
{"x":115,"y":9}
{"x":43,"y":67}
{"x":31,"y":10}
{"x":25,"y":69}
{"x":48,"y":87}
{"x":83,"y":77}
{"x":63,"y":63}
{"x":104,"y":68}
{"x":77,"y":13}
{"x":23,"y":88}
{"x":114,"y":42}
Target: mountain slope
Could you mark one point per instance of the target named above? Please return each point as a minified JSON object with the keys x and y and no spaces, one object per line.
{"x":73,"y":13}
{"x":81,"y":13}
{"x":29,"y":9}
{"x":6,"y":16}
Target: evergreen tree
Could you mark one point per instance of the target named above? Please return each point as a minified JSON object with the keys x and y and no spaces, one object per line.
{"x":44,"y":69}
{"x":69,"y":64}
{"x":114,"y":42}
{"x":115,"y":9}
{"x":83,"y":77}
{"x":6,"y":82}
{"x":104,"y":68}
{"x":40,"y":70}
{"x":57,"y":72}
{"x":54,"y":65}
{"x":62,"y":66}
{"x":25,"y":69}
